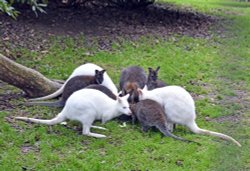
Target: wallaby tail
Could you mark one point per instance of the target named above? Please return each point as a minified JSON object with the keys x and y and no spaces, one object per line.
{"x":50,"y":96}
{"x":58,"y":103}
{"x":58,"y":119}
{"x":198,"y":130}
{"x":166,"y":132}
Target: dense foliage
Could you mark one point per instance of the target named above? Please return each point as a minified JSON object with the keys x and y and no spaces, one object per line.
{"x":7,"y":8}
{"x":38,"y":5}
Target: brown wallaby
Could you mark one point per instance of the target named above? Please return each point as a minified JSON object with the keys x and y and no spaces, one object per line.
{"x":74,"y":84}
{"x":131,"y":79}
{"x":151,"y":114}
{"x":153,"y":81}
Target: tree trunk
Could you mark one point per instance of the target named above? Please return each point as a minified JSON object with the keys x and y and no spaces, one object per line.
{"x":33,"y":83}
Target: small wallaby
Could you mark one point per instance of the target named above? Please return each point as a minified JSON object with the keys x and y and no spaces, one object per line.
{"x":131,"y":79}
{"x":86,"y":106}
{"x":74,"y":84}
{"x":179,"y":108}
{"x":151,"y":114}
{"x":85,"y":69}
{"x":153,"y":81}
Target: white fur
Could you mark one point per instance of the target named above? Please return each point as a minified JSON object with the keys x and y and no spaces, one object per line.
{"x":85,"y":69}
{"x":179,"y":108}
{"x":86,"y":106}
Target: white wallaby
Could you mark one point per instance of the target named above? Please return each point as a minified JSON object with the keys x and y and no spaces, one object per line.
{"x":86,"y":106}
{"x":85,"y":69}
{"x":179,"y":107}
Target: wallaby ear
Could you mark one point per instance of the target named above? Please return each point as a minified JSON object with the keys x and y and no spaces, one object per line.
{"x":103,"y":71}
{"x":157,"y":69}
{"x":145,"y":88}
{"x":119,"y":99}
{"x":126,"y":96}
{"x":139,"y":91}
{"x":120,"y":93}
{"x":96,"y":71}
{"x":150,"y":69}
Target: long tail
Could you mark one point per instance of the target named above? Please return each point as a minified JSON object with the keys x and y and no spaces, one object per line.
{"x":166,"y":132}
{"x":58,"y":103}
{"x":50,"y":96}
{"x":198,"y":130}
{"x":58,"y":119}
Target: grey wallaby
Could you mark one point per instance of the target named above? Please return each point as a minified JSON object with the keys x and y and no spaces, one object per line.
{"x":74,"y":84}
{"x":131,"y":79}
{"x":153,"y":81}
{"x":151,"y":114}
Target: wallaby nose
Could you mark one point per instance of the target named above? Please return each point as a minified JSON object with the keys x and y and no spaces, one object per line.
{"x":130,"y":112}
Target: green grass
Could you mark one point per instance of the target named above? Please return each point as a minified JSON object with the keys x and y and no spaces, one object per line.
{"x":213,"y":69}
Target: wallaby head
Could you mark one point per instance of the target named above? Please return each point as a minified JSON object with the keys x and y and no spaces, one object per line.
{"x":99,"y":76}
{"x":153,"y":74}
{"x":123,"y":105}
{"x":144,"y":93}
{"x":131,"y":89}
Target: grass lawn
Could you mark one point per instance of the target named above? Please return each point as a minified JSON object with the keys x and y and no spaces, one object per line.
{"x":215,"y":71}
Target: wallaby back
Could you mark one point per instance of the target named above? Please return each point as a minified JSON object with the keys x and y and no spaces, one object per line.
{"x":80,"y":82}
{"x":103,"y":89}
{"x":131,"y":79}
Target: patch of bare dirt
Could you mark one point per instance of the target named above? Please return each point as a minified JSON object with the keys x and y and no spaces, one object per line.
{"x":104,"y":24}
{"x":240,"y":99}
{"x":6,"y":95}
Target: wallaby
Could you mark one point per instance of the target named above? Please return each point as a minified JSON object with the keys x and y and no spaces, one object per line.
{"x":151,"y":114}
{"x":131,"y":79}
{"x":85,"y":69}
{"x":179,"y":108}
{"x":103,"y":89}
{"x":74,"y":84}
{"x":153,"y":81}
{"x":86,"y":106}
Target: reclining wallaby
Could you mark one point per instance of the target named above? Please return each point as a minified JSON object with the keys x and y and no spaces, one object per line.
{"x":179,"y":108}
{"x":131,"y":78}
{"x":74,"y":84}
{"x":153,"y":81}
{"x":86,"y":106}
{"x":151,"y":114}
{"x":85,"y":69}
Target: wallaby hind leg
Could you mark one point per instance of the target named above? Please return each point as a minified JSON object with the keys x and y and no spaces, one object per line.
{"x":86,"y":131}
{"x":170,"y":126}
